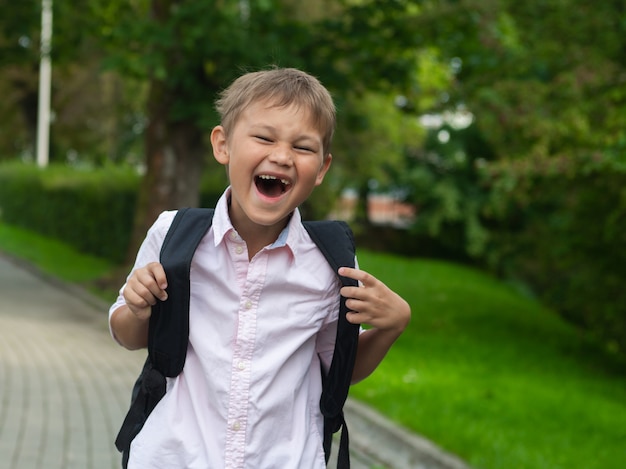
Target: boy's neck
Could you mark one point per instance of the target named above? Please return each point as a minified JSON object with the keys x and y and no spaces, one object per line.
{"x":257,"y":236}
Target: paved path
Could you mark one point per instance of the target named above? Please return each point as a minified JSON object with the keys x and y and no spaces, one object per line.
{"x":65,"y":386}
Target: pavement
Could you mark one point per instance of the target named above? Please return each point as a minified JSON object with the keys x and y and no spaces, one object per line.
{"x":65,"y":386}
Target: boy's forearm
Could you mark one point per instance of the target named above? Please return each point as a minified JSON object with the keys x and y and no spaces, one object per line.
{"x":373,"y":346}
{"x":130,"y":331}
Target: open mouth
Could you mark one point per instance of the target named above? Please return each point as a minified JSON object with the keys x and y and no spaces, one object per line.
{"x":271,"y":186}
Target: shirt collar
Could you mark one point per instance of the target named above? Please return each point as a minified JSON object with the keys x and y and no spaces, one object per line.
{"x":222,"y":225}
{"x":221,"y":220}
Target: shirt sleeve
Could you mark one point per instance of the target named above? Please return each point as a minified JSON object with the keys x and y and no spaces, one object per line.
{"x":148,"y":252}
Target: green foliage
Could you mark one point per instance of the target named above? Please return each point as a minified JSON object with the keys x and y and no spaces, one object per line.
{"x":369,"y":45}
{"x":445,"y":185}
{"x":20,"y":32}
{"x":491,"y":375}
{"x":95,"y":115}
{"x":371,"y":140}
{"x":579,"y":216}
{"x":195,"y":48}
{"x":544,"y":81}
{"x":90,"y":210}
{"x":533,"y":92}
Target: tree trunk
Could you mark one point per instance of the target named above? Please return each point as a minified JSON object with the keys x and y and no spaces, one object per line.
{"x":174,"y":162}
{"x":174,"y":149}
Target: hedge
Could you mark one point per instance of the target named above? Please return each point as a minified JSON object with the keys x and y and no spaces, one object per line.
{"x":90,"y":209}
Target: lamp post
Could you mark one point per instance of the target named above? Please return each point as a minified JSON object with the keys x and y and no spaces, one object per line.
{"x":45,"y":78}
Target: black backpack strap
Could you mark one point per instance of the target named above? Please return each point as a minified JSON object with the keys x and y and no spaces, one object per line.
{"x":169,"y":323}
{"x":335,"y":240}
{"x":168,"y":334}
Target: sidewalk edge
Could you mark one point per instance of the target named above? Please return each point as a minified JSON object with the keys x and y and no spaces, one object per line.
{"x":392,"y":445}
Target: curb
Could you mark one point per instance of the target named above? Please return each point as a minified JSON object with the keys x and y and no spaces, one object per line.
{"x":75,"y":290}
{"x":374,"y":435}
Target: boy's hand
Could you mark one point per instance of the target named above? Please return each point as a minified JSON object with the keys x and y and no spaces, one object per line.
{"x":374,"y":303}
{"x":145,"y":286}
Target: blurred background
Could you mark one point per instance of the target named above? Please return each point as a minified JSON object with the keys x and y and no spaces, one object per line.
{"x":489,"y":134}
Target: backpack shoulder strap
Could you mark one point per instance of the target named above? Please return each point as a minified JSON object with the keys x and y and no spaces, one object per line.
{"x":168,"y":335}
{"x":335,"y":240}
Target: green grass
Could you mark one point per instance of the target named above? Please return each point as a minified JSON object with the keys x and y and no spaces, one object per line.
{"x":58,"y":259}
{"x":482,"y":370}
{"x":494,"y":377}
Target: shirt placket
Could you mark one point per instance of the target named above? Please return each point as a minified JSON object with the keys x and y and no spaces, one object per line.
{"x":250,"y":276}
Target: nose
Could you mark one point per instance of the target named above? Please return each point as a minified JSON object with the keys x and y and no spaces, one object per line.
{"x":282,"y":155}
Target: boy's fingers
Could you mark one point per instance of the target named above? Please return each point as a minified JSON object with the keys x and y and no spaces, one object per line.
{"x":356,"y":274}
{"x":150,"y":283}
{"x":353,"y":292}
{"x":369,"y":286}
{"x":137,"y":302}
{"x":354,"y":317}
{"x":158,"y":273}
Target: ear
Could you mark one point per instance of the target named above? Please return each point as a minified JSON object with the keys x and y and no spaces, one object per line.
{"x":219,"y":142}
{"x":324,"y":169}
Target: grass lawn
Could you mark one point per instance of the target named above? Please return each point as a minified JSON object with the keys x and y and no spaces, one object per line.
{"x":482,"y":371}
{"x":58,"y":259}
{"x":494,"y":377}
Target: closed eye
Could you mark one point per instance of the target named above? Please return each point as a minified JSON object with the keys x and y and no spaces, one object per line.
{"x":305,"y":149}
{"x":263,"y":138}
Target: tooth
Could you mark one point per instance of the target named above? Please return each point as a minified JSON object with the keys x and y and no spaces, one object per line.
{"x":267,"y":177}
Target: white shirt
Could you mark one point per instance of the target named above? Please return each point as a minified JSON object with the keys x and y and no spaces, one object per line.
{"x":248,"y":396}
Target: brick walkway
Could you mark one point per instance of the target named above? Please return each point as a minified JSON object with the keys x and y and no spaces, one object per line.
{"x":64,"y":384}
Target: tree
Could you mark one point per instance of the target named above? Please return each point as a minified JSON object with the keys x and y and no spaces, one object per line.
{"x":189,"y":50}
{"x":545,"y":82}
{"x":88,"y":106}
{"x":543,"y":79}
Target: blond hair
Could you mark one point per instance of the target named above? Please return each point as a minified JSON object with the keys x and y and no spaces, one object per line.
{"x":281,"y":87}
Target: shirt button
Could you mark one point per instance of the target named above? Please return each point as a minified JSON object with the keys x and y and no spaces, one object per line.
{"x":248,"y":304}
{"x":241,"y":365}
{"x":239,"y":250}
{"x":236,"y":426}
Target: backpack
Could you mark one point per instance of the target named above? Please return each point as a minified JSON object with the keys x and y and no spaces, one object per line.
{"x":169,"y":328}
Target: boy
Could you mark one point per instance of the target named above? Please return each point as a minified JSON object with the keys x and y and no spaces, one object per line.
{"x":264,"y":302}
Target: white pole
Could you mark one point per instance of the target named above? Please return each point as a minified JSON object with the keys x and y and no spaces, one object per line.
{"x":45,"y":78}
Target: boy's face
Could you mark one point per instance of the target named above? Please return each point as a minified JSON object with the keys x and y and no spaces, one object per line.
{"x":275,"y":159}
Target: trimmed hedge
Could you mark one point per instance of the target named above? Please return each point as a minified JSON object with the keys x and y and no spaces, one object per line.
{"x":91,"y":210}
